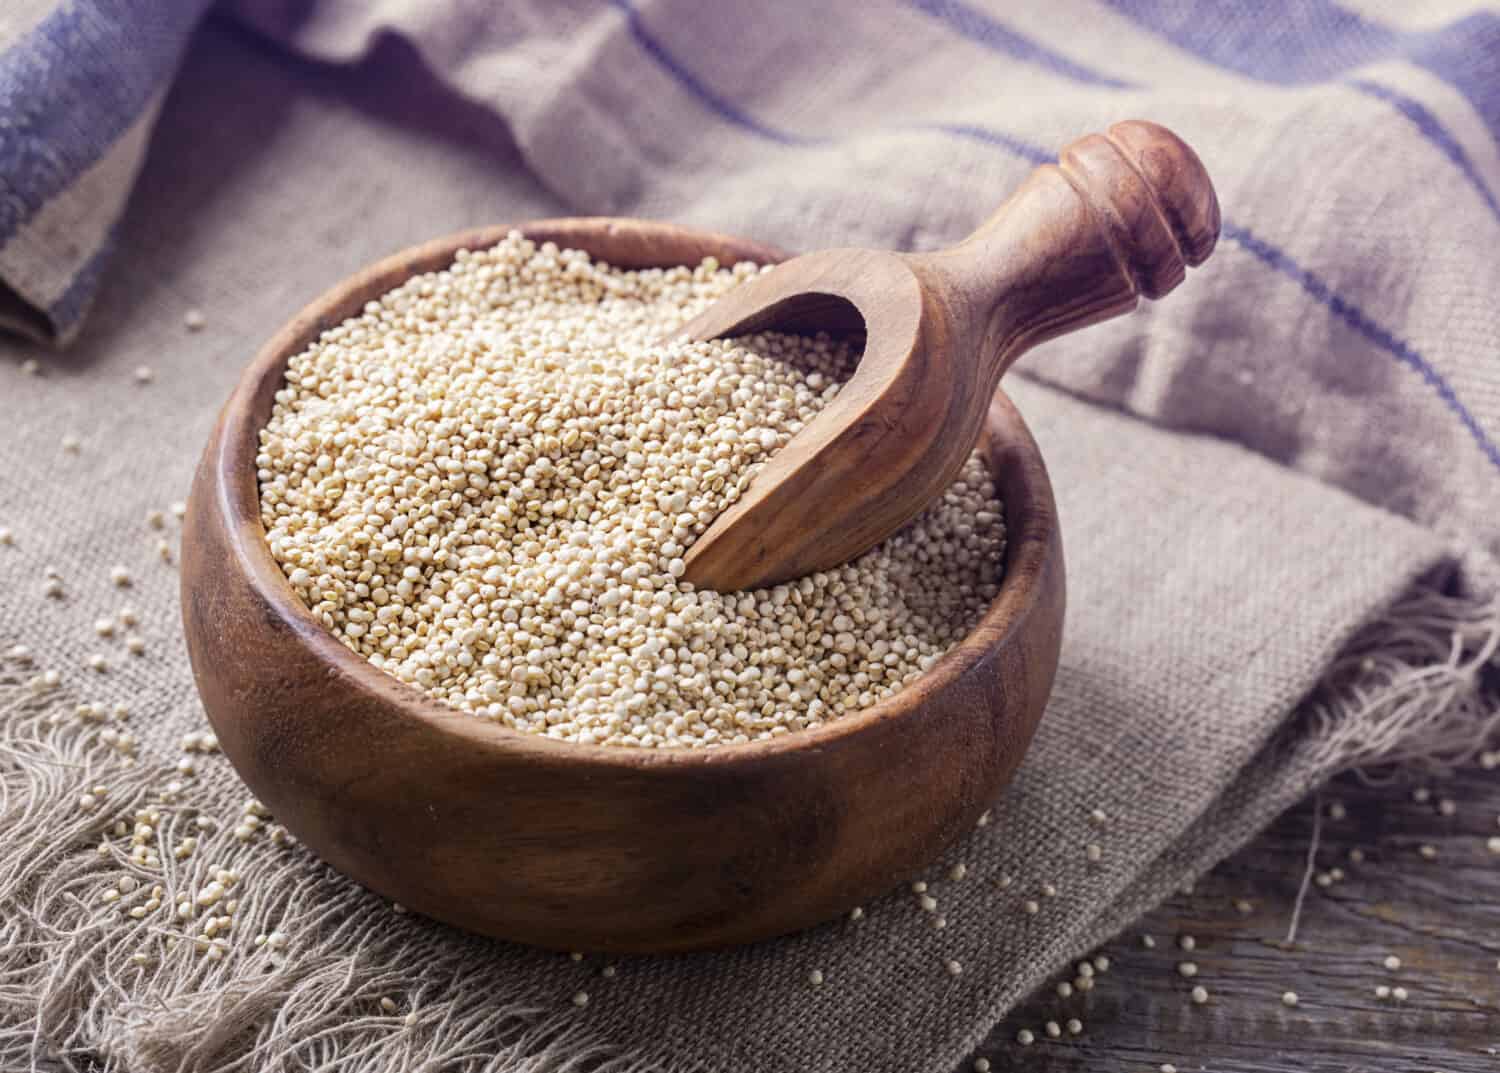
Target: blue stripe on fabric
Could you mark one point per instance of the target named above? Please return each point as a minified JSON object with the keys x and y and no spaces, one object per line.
{"x":720,"y":106}
{"x":1294,"y":42}
{"x":1194,"y":35}
{"x":68,"y":310}
{"x":1434,"y":131}
{"x":976,"y":25}
{"x":73,"y":84}
{"x":1025,"y":150}
{"x":737,"y":116}
{"x":1362,"y":323}
{"x":1313,"y":285}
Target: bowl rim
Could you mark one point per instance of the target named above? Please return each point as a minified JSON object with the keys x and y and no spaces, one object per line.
{"x":1030,"y":532}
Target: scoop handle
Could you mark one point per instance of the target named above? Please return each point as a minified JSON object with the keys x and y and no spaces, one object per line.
{"x":1119,"y":216}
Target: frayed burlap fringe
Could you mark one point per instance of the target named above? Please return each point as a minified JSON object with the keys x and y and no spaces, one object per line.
{"x":83,"y":986}
{"x":1419,"y":685}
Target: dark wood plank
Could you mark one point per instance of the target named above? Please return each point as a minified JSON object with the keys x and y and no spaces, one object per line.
{"x":1440,"y":917}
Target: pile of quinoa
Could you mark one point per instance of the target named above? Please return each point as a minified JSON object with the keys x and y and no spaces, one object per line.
{"x":485,"y":485}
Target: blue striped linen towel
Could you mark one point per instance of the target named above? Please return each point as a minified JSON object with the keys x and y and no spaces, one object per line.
{"x":1355,"y":147}
{"x":81,"y":83}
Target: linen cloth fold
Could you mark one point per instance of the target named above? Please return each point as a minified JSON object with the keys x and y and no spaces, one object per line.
{"x":1279,"y":489}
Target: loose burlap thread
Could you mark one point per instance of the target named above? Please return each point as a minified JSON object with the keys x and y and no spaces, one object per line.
{"x":1249,"y":612}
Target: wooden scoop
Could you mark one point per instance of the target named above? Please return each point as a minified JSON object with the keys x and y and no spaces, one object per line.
{"x":1121,"y":215}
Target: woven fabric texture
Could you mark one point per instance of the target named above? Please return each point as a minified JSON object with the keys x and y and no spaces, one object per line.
{"x":1278,"y":488}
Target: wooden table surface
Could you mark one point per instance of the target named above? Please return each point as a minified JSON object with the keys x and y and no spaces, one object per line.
{"x":1440,"y":916}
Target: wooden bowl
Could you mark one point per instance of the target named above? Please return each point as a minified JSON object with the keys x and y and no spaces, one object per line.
{"x":583,"y":847}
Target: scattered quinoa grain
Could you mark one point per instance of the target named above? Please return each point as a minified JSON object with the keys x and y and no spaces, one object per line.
{"x":1337,"y":811}
{"x":1289,"y":998}
{"x":1148,"y":941}
{"x":388,"y":1004}
{"x":1392,"y":962}
{"x":1243,"y":907}
{"x":1493,"y":844}
{"x":981,"y":1065}
{"x":1188,"y":969}
{"x":194,"y":320}
{"x":1187,"y":942}
{"x":1421,"y":795}
{"x":144,"y":374}
{"x":1053,"y":1029}
{"x":1199,"y":995}
{"x":954,"y":967}
{"x":1428,"y":852}
{"x":71,"y":443}
{"x":1101,"y":962}
{"x":1075,"y":1026}
{"x":1447,"y":806}
{"x":1399,"y":994}
{"x":1031,"y":907}
{"x":815,"y":977}
{"x":1064,"y":989}
{"x":1094,"y":852}
{"x":119,"y":576}
{"x":958,"y":871}
{"x":581,"y":999}
{"x":1025,"y":1037}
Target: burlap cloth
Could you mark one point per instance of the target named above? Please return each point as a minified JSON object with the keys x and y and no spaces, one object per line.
{"x":1278,"y":493}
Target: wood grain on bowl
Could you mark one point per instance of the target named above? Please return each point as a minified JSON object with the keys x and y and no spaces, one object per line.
{"x":585,"y":847}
